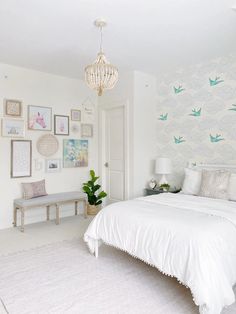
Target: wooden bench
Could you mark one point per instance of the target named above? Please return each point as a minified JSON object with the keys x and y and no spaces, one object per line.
{"x":49,"y":200}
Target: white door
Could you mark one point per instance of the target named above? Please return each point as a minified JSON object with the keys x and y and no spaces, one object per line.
{"x":114,"y":165}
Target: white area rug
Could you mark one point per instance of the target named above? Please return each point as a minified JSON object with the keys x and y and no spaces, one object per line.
{"x":65,"y":278}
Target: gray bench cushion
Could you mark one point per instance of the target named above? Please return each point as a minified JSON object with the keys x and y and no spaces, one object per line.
{"x":50,"y":199}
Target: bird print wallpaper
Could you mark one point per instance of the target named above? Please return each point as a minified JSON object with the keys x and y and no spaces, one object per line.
{"x":196,"y":114}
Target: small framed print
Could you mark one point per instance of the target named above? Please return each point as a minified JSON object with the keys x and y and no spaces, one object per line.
{"x":86,"y":130}
{"x":12,"y":108}
{"x":21,"y":158}
{"x":75,"y":115}
{"x":53,"y":165}
{"x":39,"y":118}
{"x":61,"y":125}
{"x":13,"y":128}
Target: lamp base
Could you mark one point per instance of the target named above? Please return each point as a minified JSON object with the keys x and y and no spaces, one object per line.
{"x":163,"y":180}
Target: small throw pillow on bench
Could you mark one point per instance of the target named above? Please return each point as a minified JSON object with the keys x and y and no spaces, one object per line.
{"x":34,"y":189}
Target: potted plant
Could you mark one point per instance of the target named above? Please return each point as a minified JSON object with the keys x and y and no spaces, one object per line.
{"x":91,"y":188}
{"x":165,"y":187}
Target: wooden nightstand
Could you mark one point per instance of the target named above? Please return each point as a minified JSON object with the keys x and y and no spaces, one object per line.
{"x":150,"y":191}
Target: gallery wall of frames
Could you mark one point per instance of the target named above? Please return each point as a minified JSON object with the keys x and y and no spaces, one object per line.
{"x":48,"y":131}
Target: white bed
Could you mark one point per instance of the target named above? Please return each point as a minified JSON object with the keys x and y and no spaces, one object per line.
{"x":191,"y":238}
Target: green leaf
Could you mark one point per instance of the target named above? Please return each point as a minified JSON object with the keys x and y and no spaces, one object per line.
{"x":96,"y":187}
{"x":92,"y":174}
{"x":87,"y":190}
{"x":102,"y":194}
{"x":92,"y":199}
{"x":98,"y":203}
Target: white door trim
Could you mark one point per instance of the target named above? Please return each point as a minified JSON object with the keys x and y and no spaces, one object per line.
{"x":101,"y":143}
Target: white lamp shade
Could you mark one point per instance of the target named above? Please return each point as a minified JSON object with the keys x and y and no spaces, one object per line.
{"x":163,"y":166}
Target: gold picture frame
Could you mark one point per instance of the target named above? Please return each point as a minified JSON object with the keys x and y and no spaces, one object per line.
{"x":12,"y":108}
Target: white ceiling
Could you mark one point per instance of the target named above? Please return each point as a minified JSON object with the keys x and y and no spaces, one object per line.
{"x":58,"y":36}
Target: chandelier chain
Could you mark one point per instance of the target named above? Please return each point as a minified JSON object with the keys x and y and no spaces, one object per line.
{"x":101,"y":39}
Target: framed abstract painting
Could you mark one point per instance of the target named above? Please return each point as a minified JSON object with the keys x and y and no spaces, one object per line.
{"x":39,"y":118}
{"x":75,"y":153}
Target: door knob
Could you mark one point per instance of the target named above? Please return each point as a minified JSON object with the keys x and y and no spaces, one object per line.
{"x":106,"y":164}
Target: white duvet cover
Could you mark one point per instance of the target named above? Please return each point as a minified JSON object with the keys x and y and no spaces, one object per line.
{"x":188,"y":237}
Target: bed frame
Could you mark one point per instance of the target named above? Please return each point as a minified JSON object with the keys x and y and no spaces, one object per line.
{"x":229,"y":167}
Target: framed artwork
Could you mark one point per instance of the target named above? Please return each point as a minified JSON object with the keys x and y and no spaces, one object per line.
{"x":21,"y":158}
{"x":13,"y":128}
{"x":12,"y":108}
{"x":61,"y":125}
{"x":75,"y":115}
{"x":53,"y":165}
{"x":75,"y":153}
{"x":39,"y":118}
{"x":86,"y":130}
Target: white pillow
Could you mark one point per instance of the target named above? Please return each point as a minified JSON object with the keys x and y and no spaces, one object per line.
{"x":215,"y":184}
{"x":232,"y":187}
{"x":192,"y":181}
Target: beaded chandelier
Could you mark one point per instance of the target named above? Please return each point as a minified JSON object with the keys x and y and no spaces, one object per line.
{"x":101,"y":75}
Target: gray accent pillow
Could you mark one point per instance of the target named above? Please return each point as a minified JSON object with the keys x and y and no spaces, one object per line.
{"x":215,"y":184}
{"x":34,"y":189}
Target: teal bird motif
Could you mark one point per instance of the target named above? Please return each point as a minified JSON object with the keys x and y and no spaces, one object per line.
{"x":233,"y":108}
{"x":217,"y":138}
{"x":195,"y":112}
{"x":163,"y":117}
{"x":179,"y":140}
{"x":216,"y":81}
{"x":179,"y":89}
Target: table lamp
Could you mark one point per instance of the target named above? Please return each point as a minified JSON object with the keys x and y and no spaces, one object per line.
{"x":163,"y":167}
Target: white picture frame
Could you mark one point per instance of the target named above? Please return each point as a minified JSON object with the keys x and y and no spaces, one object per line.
{"x":53,"y":165}
{"x":86,"y":130}
{"x":13,"y":128}
{"x":21,"y":158}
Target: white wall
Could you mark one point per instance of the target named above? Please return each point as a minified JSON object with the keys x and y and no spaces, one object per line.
{"x":62,"y":94}
{"x":138,"y":90}
{"x":144,"y":131}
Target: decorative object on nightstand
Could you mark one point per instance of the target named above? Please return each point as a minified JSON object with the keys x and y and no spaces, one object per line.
{"x":152,"y":184}
{"x":163,"y":167}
